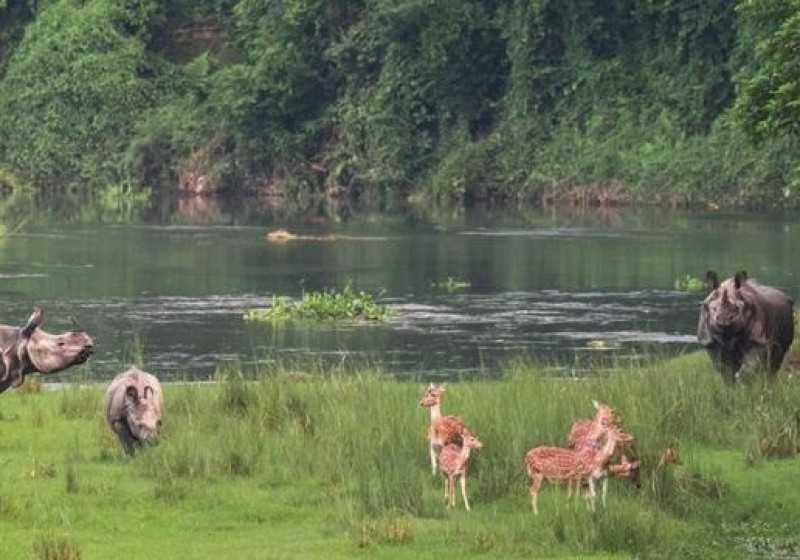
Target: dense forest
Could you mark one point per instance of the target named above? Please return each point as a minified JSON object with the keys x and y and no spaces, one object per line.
{"x":677,"y":101}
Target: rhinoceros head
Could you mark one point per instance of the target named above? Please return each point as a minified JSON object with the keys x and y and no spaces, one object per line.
{"x":142,"y":413}
{"x":35,"y":350}
{"x":727,"y":308}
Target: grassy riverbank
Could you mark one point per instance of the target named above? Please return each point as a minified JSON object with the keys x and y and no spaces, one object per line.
{"x":336,"y":466}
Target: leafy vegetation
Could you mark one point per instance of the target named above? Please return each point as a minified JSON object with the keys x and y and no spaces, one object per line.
{"x":689,"y":283}
{"x":451,"y":285}
{"x":620,"y":101}
{"x":329,"y":304}
{"x":333,"y":464}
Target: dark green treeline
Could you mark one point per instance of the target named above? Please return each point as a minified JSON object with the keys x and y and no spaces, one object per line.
{"x":672,"y":101}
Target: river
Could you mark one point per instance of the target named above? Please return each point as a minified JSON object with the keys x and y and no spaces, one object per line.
{"x":568,"y":289}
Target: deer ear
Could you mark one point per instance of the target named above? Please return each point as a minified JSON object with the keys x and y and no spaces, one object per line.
{"x":34,"y":322}
{"x":131,"y":394}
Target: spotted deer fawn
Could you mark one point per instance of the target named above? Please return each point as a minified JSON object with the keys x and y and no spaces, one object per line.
{"x":443,"y":430}
{"x":453,"y":463}
{"x":571,"y":465}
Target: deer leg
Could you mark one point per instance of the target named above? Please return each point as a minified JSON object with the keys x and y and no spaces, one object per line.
{"x":535,"y":487}
{"x":464,"y":490}
{"x":433,"y":458}
{"x":451,"y":491}
{"x":591,"y":493}
{"x":604,"y":491}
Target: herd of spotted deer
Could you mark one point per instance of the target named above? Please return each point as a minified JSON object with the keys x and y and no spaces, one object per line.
{"x":586,"y":459}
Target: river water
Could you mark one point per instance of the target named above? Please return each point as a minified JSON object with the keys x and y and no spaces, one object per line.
{"x":564,"y":288}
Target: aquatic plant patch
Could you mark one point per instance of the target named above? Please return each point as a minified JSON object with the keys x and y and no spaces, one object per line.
{"x":331,"y":304}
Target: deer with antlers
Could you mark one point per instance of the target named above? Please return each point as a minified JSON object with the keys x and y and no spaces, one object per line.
{"x":443,"y":430}
{"x":453,"y":462}
{"x":572,"y":465}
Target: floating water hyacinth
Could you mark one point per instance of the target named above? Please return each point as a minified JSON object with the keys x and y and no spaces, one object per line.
{"x":329,"y":304}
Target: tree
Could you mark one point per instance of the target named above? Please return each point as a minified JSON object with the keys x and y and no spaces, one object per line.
{"x":768,"y":101}
{"x":73,"y":89}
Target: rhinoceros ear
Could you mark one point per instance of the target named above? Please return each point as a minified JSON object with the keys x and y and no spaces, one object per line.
{"x":712,"y":280}
{"x":34,"y":322}
{"x":12,"y":362}
{"x":131,"y":394}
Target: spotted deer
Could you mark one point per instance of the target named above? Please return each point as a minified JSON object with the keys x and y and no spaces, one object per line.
{"x":443,"y":430}
{"x":628,"y":469}
{"x":453,"y":462}
{"x":572,"y":465}
{"x":589,"y":431}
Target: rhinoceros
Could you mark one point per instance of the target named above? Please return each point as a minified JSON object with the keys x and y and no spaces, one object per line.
{"x":133,"y":407}
{"x":29,"y":349}
{"x":745,"y":326}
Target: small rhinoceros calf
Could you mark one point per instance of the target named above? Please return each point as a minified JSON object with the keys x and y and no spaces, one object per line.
{"x":134,"y":402}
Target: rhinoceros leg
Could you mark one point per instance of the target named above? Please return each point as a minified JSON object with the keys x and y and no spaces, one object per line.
{"x":123,"y":431}
{"x":725,"y":363}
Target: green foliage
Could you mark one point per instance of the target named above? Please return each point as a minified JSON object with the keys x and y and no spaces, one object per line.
{"x":689,"y":283}
{"x":329,"y":304}
{"x":769,"y":99}
{"x":627,"y":100}
{"x":73,"y":90}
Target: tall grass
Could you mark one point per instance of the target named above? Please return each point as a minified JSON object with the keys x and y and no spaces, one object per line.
{"x":355,"y":445}
{"x":362,"y":437}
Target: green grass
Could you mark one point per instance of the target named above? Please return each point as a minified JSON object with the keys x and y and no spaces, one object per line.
{"x":336,"y":466}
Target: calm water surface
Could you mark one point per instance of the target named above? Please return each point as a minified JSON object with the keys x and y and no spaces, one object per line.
{"x":557,"y":287}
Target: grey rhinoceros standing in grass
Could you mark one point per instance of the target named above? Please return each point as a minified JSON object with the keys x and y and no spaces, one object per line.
{"x":745,"y":326}
{"x":133,"y":405}
{"x":29,"y":349}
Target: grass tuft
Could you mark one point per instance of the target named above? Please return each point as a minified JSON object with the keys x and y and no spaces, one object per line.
{"x":55,"y":547}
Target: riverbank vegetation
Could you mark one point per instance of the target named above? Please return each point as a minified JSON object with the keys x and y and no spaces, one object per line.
{"x":615,"y":102}
{"x":334,"y":464}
